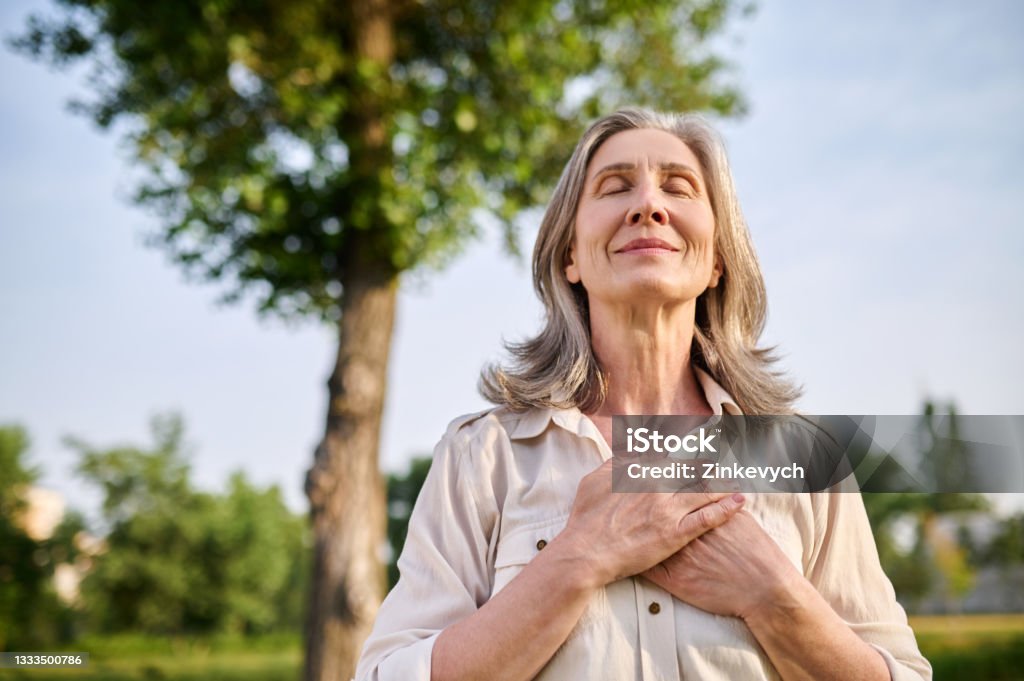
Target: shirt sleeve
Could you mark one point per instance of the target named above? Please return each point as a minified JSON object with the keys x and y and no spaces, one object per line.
{"x":846,"y":571}
{"x":444,"y":566}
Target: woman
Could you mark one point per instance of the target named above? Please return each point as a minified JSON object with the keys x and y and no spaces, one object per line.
{"x":521,"y":563}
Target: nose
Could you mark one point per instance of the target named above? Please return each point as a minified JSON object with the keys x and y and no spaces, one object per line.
{"x":648,"y":208}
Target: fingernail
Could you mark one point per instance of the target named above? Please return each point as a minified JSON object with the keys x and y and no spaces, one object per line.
{"x":738,"y":498}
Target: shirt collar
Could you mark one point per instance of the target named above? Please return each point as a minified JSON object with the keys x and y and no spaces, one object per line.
{"x":718,"y":398}
{"x":533,"y":422}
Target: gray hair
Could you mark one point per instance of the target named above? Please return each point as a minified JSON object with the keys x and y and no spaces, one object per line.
{"x":557,"y":368}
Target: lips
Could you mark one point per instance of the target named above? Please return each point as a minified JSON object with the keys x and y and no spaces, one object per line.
{"x":648,"y":245}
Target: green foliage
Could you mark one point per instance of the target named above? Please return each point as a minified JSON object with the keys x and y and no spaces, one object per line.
{"x":15,"y":474}
{"x":912,"y":574}
{"x":402,"y":492}
{"x":64,"y":544}
{"x":136,"y":482}
{"x":261,"y":545}
{"x":30,"y":615}
{"x":179,"y":560}
{"x":1007,"y":548}
{"x":995,"y":662}
{"x":277,"y":157}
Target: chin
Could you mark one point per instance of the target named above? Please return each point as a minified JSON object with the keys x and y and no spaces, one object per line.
{"x":658,"y":289}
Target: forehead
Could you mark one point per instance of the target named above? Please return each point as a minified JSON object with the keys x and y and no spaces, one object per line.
{"x":645,"y":148}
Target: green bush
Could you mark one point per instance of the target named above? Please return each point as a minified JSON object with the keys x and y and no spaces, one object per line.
{"x":992,"y":661}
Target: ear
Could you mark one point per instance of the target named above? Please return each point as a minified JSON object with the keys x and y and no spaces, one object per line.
{"x":572,"y":271}
{"x":716,"y":273}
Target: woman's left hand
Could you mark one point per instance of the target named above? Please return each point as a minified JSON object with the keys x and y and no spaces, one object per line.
{"x":735,"y":569}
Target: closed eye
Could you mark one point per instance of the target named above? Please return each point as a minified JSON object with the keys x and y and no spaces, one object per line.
{"x":614,"y":186}
{"x":679,"y":187}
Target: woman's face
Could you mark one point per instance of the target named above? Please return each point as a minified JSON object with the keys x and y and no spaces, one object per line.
{"x":644,"y":229}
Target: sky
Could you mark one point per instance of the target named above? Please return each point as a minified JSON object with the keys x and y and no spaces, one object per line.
{"x":878,"y":168}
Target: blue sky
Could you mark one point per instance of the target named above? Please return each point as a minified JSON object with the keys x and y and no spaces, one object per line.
{"x":879,"y":170}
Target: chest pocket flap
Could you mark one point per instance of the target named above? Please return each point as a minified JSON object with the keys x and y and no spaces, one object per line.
{"x":519,"y":547}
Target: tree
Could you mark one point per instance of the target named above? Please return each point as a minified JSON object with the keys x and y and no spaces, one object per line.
{"x":310,"y":151}
{"x":178,"y":560}
{"x":1006,"y":549}
{"x":935,"y":559}
{"x":146,"y":579}
{"x":30,"y":614}
{"x":21,"y":576}
{"x":260,"y":543}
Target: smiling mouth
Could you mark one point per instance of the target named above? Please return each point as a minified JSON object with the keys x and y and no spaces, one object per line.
{"x":647,"y":247}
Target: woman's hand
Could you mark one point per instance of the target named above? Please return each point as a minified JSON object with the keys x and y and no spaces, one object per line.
{"x":735,"y":570}
{"x":612,"y":535}
{"x":738,"y":570}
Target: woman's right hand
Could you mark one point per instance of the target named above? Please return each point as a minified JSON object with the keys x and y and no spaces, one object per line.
{"x":613,"y":535}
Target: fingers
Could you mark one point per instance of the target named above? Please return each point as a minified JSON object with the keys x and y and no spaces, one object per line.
{"x":659,"y":574}
{"x":693,"y":499}
{"x":709,"y":516}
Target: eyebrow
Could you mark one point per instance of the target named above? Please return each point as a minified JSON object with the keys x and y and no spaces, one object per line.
{"x":669,"y":167}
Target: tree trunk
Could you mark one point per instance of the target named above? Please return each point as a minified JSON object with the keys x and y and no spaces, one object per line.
{"x":345,"y":488}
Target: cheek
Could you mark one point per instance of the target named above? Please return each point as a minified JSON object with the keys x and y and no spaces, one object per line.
{"x":591,"y":237}
{"x":697,"y":227}
{"x":604,"y":216}
{"x":703,"y":222}
{"x":586,"y":226}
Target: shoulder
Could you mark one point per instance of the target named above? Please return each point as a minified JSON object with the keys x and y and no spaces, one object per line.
{"x":475,"y":436}
{"x":499,"y":422}
{"x":476,"y":454}
{"x":484,"y":442}
{"x":463,"y":426}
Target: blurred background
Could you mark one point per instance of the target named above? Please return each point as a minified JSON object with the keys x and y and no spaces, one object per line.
{"x":155,"y":440}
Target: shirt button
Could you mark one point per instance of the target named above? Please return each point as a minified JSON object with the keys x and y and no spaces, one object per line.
{"x":654,"y":608}
{"x":541,"y":544}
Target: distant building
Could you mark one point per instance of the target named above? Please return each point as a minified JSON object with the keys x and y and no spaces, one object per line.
{"x":44,"y":511}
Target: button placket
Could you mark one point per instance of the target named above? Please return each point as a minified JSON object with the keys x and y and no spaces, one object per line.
{"x":657,"y":630}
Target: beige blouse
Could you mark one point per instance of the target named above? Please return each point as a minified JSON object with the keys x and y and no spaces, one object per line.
{"x":502,"y":485}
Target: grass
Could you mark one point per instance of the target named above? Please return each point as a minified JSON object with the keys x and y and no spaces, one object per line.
{"x":958,"y":631}
{"x":973,"y":647}
{"x":258,"y":666}
{"x":960,"y":648}
{"x":144,"y":658}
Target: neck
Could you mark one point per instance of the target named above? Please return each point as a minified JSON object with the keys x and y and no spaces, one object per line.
{"x":645,"y":354}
